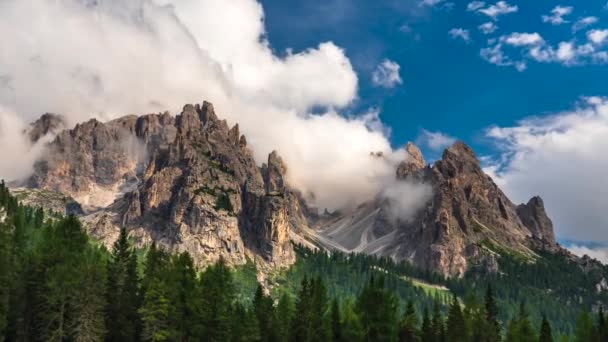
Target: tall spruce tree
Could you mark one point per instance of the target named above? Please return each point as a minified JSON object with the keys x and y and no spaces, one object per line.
{"x":456,"y":328}
{"x":185,"y":299}
{"x":88,"y":306}
{"x":5,"y":277}
{"x":352,"y":330}
{"x":155,"y":313}
{"x":408,"y":328}
{"x":284,"y":316}
{"x":438,"y":324}
{"x":545,"y":331}
{"x":264,"y":312}
{"x":492,"y":326}
{"x":585,"y":329}
{"x":377,"y":308}
{"x":336,"y":321}
{"x":426,"y":330}
{"x":122,"y":293}
{"x":218,"y":297}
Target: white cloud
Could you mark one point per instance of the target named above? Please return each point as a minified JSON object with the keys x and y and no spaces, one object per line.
{"x":597,"y":37}
{"x":516,"y":49}
{"x":561,"y":157}
{"x":488,"y":28}
{"x":430,"y":3}
{"x":598,"y":253}
{"x":460,"y":33}
{"x":584,"y":22}
{"x":436,"y":141}
{"x":387,"y":75}
{"x":557,"y":15}
{"x":523,"y":39}
{"x":475,"y":5}
{"x":151,"y":55}
{"x":498,"y":9}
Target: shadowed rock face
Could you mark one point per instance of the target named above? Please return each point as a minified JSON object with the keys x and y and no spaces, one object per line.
{"x":47,"y":123}
{"x":189,"y":182}
{"x":467,"y":217}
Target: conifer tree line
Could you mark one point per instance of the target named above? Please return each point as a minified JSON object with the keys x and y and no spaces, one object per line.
{"x":58,"y":285}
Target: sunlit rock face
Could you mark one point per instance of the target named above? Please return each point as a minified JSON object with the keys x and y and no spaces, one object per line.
{"x":188,"y":182}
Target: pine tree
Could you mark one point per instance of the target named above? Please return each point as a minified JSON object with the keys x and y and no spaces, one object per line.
{"x":437,"y":324}
{"x":155,"y":314}
{"x":520,"y":329}
{"x":426,"y":331}
{"x":584,"y":331}
{"x":545,"y":331}
{"x":336,"y":321}
{"x":264,"y":312}
{"x":218,"y":296}
{"x":185,"y":299}
{"x":61,"y":257}
{"x":122,"y":293}
{"x":304,"y":312}
{"x":88,"y":306}
{"x":456,"y":328}
{"x":284,"y":315}
{"x":5,"y":277}
{"x":492,"y":332}
{"x":377,"y":308}
{"x":352,"y":330}
{"x":320,"y":328}
{"x":602,"y":329}
{"x":408,"y":330}
{"x":245,"y":326}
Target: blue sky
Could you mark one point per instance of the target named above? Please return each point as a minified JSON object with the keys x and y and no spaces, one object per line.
{"x":447,"y":85}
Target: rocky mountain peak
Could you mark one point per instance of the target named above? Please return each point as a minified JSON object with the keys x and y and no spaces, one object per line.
{"x":414,"y":163}
{"x":47,"y":123}
{"x":415,"y":154}
{"x":188,"y":182}
{"x":273,"y":173}
{"x":534,"y":216}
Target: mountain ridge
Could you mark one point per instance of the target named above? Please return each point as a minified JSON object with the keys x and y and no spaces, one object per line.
{"x":190,"y":182}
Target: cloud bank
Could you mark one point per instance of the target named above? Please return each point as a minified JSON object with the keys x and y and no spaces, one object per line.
{"x":560,"y":158}
{"x":107,"y":58}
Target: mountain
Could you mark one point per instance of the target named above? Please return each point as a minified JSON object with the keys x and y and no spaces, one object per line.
{"x":190,"y":183}
{"x":468,"y":221}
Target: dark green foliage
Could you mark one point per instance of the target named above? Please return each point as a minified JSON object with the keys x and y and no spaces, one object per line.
{"x":456,"y":328}
{"x":378,"y":308}
{"x":284,"y":317}
{"x":585,"y":329}
{"x":520,"y":328}
{"x":310,"y":323}
{"x":408,"y":329}
{"x":218,"y":297}
{"x":123,"y":292}
{"x":155,"y":314}
{"x":264,"y":313}
{"x":545,"y":332}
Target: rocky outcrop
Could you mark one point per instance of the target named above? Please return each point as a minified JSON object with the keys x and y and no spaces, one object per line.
{"x":413,"y":165}
{"x":48,"y":123}
{"x":468,"y":221}
{"x":535,"y":218}
{"x":188,"y":182}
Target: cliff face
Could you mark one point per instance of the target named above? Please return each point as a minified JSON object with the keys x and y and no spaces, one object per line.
{"x":189,"y":182}
{"x":466,"y":222}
